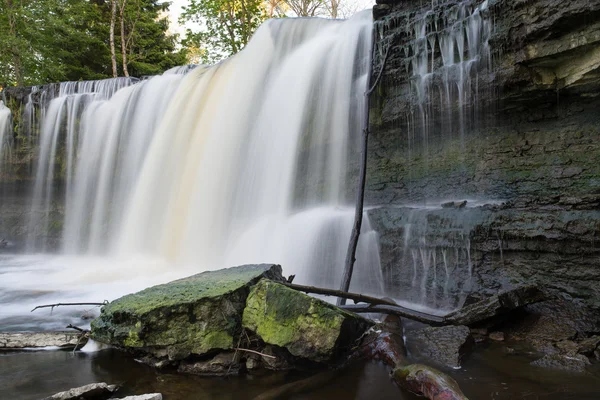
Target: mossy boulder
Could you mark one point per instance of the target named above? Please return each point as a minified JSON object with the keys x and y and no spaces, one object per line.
{"x":307,"y":327}
{"x":197,"y":315}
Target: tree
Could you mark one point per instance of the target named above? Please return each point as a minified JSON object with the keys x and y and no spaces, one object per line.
{"x":306,"y":8}
{"x":147,"y":48}
{"x":46,"y":41}
{"x":113,"y":20}
{"x":226,"y":26}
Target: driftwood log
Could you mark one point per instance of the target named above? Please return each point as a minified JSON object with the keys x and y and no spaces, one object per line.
{"x":385,"y":344}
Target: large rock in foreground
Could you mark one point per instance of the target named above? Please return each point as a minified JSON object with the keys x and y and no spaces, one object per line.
{"x":307,"y":327}
{"x":192,"y":316}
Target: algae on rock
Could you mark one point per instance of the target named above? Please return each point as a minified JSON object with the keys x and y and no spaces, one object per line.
{"x":191,"y":316}
{"x":307,"y":327}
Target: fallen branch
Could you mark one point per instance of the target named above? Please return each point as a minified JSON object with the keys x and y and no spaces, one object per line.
{"x":400,"y":311}
{"x":387,"y":345}
{"x":255,"y":352}
{"x":77,"y":328}
{"x":70,"y":304}
{"x":356,"y":297}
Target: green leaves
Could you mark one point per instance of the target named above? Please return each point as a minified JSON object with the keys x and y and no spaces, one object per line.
{"x":225,"y":26}
{"x":60,"y":40}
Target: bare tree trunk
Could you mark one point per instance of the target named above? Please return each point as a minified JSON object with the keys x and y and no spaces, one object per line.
{"x":123,"y":41}
{"x":360,"y":193}
{"x":113,"y":53}
{"x":334,"y":5}
{"x":14,"y":50}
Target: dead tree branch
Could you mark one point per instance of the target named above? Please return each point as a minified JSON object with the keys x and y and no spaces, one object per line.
{"x":70,"y":304}
{"x":360,"y":193}
{"x":356,"y":297}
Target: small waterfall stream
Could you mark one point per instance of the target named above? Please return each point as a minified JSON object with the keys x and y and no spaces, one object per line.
{"x":5,"y":137}
{"x":445,"y":58}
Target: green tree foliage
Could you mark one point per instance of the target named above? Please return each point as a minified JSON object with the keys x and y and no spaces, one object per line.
{"x":226,"y":26}
{"x":57,"y":40}
{"x":150,"y":49}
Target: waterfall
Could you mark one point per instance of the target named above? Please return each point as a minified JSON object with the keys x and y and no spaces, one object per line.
{"x":250,"y":160}
{"x":5,"y":137}
{"x":60,"y":112}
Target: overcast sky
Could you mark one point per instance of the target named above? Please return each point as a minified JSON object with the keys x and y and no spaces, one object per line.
{"x":175,"y":11}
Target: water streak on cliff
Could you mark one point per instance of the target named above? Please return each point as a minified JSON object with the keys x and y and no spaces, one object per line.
{"x":5,"y":137}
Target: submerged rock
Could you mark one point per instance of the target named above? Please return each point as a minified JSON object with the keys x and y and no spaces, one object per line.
{"x":221,"y":364}
{"x":191,"y":316}
{"x":21,"y":340}
{"x":428,"y":382}
{"x":307,"y":327}
{"x":446,"y":345}
{"x":91,"y":391}
{"x":573,"y":363}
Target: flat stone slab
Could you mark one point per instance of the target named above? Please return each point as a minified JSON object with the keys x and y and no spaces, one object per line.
{"x":307,"y":327}
{"x":92,"y":391}
{"x":496,"y":305}
{"x":190,"y":316}
{"x":23,"y":340}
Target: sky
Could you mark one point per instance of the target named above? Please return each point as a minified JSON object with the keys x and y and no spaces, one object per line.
{"x":176,"y":6}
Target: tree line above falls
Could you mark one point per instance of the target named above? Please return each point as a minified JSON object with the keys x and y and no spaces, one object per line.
{"x":45,"y":41}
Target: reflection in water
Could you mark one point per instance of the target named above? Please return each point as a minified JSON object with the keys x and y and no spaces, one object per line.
{"x":487,"y":374}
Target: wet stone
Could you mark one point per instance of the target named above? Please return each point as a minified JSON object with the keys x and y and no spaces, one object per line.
{"x":446,"y":345}
{"x":497,"y":336}
{"x":567,"y":347}
{"x":88,"y":392}
{"x":575,"y":363}
{"x":221,"y":364}
{"x":589,"y":345}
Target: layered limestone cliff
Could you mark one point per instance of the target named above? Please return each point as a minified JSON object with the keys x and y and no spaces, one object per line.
{"x":496,"y":103}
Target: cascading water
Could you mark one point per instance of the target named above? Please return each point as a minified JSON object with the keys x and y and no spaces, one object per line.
{"x":243,"y":162}
{"x":58,"y":134}
{"x":445,"y":58}
{"x":5,"y":137}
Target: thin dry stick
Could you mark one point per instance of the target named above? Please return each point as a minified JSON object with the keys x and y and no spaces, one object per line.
{"x":77,"y":328}
{"x":255,"y":352}
{"x":236,"y":352}
{"x":70,"y":304}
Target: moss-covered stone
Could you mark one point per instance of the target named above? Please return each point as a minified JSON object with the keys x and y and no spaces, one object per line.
{"x":307,"y":327}
{"x":195,"y":315}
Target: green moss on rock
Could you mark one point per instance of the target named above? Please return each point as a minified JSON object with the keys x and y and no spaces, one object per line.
{"x":307,"y":327}
{"x":195,"y":315}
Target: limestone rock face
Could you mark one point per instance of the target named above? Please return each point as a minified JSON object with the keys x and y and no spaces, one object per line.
{"x":191,"y":316}
{"x":307,"y":327}
{"x":526,"y":161}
